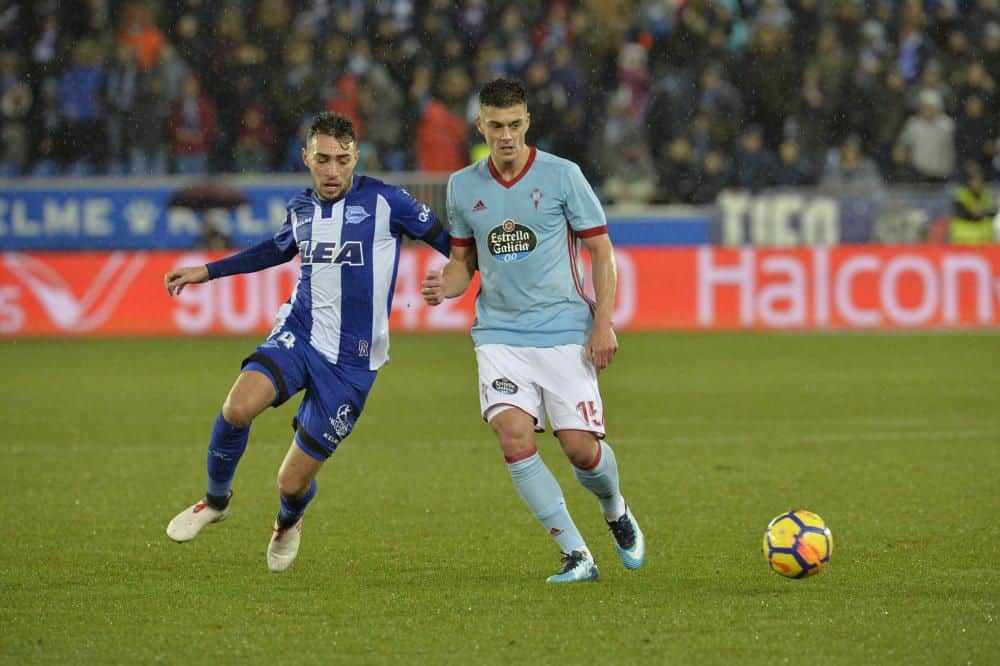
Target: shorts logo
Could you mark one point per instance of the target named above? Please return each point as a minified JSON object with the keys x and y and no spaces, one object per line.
{"x":511,"y":241}
{"x":504,"y":385}
{"x":341,"y":423}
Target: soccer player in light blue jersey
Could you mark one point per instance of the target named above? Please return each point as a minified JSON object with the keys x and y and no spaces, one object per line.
{"x":519,"y":217}
{"x":331,"y":336}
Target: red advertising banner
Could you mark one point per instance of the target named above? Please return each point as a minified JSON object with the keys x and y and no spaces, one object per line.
{"x":705,"y":288}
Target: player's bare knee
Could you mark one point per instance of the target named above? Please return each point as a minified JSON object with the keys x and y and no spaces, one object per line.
{"x":580,"y":447}
{"x":292,"y":486}
{"x":237,"y":412}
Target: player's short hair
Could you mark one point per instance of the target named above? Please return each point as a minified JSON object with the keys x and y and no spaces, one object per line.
{"x":335,"y":125}
{"x":502,"y":94}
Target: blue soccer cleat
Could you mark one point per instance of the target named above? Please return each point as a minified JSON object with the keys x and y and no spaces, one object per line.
{"x":578,"y":567}
{"x":629,"y":541}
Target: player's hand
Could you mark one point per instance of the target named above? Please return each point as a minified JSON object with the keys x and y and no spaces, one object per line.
{"x":432,"y":288}
{"x":177,"y":279}
{"x":602,"y":344}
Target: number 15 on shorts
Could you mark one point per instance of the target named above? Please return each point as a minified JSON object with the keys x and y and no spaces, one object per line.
{"x":590,"y":413}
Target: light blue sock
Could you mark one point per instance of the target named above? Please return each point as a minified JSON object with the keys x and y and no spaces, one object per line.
{"x":225,"y":448}
{"x":602,"y":480}
{"x":293,"y":508}
{"x":541,"y":492}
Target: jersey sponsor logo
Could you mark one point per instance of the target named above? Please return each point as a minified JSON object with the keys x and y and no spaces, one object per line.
{"x":351,"y":253}
{"x":511,"y":241}
{"x":504,"y":385}
{"x":355,"y":214}
{"x":363,"y":348}
{"x":479,"y":206}
{"x":304,"y":219}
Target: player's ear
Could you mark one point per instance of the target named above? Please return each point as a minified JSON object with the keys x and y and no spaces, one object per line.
{"x":479,"y":125}
{"x":305,"y":157}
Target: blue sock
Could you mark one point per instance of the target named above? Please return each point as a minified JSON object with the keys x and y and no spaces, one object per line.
{"x":225,"y":448}
{"x":541,"y":492}
{"x":293,"y":508}
{"x":602,"y":480}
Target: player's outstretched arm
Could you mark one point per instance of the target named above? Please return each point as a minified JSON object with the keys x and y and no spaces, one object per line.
{"x":602,"y":345}
{"x":453,"y":279}
{"x":178,"y":278}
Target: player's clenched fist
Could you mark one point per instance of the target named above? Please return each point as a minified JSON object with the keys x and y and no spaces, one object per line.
{"x":432,"y":288}
{"x":176,"y":279}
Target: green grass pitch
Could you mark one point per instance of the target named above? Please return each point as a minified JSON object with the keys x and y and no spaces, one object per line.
{"x":418,"y":550}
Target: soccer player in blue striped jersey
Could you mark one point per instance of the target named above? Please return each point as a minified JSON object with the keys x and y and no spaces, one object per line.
{"x":330,"y":337}
{"x":519,"y":216}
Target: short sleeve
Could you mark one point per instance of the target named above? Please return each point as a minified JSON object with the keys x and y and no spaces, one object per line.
{"x":459,"y":228}
{"x":583,"y":209}
{"x":409,"y":215}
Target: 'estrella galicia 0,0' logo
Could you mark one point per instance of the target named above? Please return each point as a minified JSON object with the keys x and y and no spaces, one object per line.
{"x":504,"y":385}
{"x":511,"y":241}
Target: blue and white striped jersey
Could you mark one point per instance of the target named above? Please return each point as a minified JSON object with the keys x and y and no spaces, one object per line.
{"x":350,"y":252}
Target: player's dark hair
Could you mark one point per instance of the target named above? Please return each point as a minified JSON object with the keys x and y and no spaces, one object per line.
{"x":503,"y":94}
{"x":335,"y":125}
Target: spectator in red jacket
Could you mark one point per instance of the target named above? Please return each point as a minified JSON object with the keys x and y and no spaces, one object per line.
{"x":441,"y":139}
{"x":191,"y":128}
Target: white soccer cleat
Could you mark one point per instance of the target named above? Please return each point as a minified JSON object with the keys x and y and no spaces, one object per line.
{"x":188,"y":523}
{"x":284,"y":546}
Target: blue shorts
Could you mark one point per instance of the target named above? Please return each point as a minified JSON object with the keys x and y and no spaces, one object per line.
{"x":334,"y":395}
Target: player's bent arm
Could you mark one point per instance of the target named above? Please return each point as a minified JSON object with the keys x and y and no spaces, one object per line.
{"x":457,"y":273}
{"x":453,"y":279}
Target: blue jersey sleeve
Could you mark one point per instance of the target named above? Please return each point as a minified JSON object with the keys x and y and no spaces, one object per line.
{"x":276,"y":250}
{"x":582,"y":208}
{"x":416,"y":219}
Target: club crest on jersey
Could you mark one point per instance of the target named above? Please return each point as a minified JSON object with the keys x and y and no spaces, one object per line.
{"x":536,"y":197}
{"x":504,"y":385}
{"x":511,"y":241}
{"x":355,"y":214}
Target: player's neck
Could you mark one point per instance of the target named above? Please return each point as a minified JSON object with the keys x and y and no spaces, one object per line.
{"x":510,"y":169}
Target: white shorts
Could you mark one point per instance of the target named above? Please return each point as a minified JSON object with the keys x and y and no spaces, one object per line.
{"x":561,"y":380}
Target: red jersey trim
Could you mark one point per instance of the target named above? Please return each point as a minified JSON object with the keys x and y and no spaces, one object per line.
{"x":590,"y":233}
{"x":462,"y":242}
{"x":513,"y":181}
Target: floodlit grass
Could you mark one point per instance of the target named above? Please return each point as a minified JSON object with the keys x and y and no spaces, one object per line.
{"x":418,"y":550}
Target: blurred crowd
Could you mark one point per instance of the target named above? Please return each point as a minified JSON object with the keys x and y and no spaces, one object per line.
{"x":658,"y":101}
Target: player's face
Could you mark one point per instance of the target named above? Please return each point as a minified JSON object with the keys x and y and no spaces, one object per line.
{"x":504,"y":131}
{"x":331,"y":163}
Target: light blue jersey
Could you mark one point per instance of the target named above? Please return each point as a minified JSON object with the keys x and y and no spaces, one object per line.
{"x":527,"y":235}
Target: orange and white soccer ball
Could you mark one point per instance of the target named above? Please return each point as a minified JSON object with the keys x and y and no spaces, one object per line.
{"x":798,"y":544}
